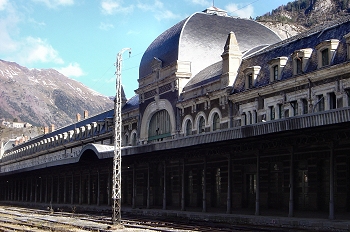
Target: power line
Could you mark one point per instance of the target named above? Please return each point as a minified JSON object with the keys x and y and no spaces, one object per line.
{"x":245,"y":6}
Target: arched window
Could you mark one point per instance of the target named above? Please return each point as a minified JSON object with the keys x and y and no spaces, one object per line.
{"x":133,"y":139}
{"x":126,"y":142}
{"x":159,"y":126}
{"x":216,"y":122}
{"x":201,"y":125}
{"x":188,"y":127}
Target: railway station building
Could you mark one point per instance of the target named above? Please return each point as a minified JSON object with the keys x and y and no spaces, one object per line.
{"x":227,"y":118}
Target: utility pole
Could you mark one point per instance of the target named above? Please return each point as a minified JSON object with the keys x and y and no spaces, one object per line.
{"x":117,"y":159}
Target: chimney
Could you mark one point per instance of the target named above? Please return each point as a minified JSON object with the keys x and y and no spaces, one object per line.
{"x":78,"y":117}
{"x":86,"y":114}
{"x":52,"y":129}
{"x":46,"y":130}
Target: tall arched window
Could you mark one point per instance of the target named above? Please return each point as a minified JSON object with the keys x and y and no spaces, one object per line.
{"x":133,"y":139}
{"x":159,"y":126}
{"x":216,"y":122}
{"x":201,"y":125}
{"x":188,"y":127}
{"x":126,"y":142}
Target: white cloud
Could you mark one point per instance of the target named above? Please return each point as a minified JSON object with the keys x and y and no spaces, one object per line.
{"x":56,"y":3}
{"x":3,"y":4}
{"x":112,"y":6}
{"x":166,"y":14}
{"x":36,"y":23}
{"x":204,"y":3}
{"x":9,"y":20}
{"x":72,"y":70}
{"x":131,"y":32}
{"x":37,"y":50}
{"x":106,"y":26}
{"x":243,"y":11}
{"x":159,"y":11}
{"x":24,"y":50}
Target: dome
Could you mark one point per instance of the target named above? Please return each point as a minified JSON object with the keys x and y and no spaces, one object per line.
{"x":200,"y":39}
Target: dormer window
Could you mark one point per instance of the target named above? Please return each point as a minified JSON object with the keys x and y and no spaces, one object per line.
{"x":275,"y":72}
{"x":347,"y":38}
{"x":251,"y":74}
{"x":276,"y":66}
{"x":325,"y":52}
{"x":250,"y":80}
{"x":299,"y":65}
{"x":325,"y":57}
{"x":300,"y":60}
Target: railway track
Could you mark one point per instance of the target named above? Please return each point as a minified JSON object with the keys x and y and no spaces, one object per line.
{"x":26,"y":219}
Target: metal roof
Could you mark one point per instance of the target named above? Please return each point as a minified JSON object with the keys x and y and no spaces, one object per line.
{"x":200,"y":39}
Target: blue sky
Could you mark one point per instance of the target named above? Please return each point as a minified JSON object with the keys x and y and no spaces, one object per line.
{"x":81,"y":38}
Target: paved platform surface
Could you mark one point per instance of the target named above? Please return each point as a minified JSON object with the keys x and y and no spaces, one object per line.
{"x":310,"y":221}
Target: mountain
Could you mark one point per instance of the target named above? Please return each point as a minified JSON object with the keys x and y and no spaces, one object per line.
{"x":44,"y":97}
{"x":300,"y":15}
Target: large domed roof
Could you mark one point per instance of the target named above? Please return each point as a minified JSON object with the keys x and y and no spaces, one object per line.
{"x":200,"y":39}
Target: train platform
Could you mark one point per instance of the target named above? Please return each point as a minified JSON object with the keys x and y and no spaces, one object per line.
{"x":278,"y":219}
{"x":305,"y":221}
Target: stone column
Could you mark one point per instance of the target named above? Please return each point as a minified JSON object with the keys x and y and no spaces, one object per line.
{"x":46,"y":189}
{"x":148,"y":186}
{"x":65,"y":190}
{"x":14,"y":195}
{"x":291,"y":184}
{"x":36,"y":190}
{"x":23,"y":189}
{"x":204,"y":185}
{"x":109,"y":188}
{"x":183,"y":186}
{"x":58,"y":189}
{"x":8,"y":191}
{"x":133,"y":187}
{"x":257,"y":194}
{"x":11,"y":187}
{"x":80,"y":189}
{"x":31,"y":190}
{"x":331,"y":182}
{"x":72,"y":191}
{"x":229,"y":167}
{"x":98,"y":188}
{"x":51,"y":198}
{"x":164,"y":186}
{"x":41,"y":190}
{"x":89,"y":189}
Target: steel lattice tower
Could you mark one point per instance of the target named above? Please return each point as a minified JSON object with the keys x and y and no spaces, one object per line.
{"x":117,"y":164}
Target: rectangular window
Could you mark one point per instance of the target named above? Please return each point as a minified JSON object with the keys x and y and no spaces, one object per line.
{"x":325,"y":57}
{"x":261,"y":102}
{"x":320,"y":102}
{"x":250,"y":117}
{"x":294,"y":105}
{"x":255,"y":116}
{"x":272,"y":113}
{"x":250,"y":81}
{"x":332,"y":101}
{"x":347,"y":91}
{"x":299,"y":64}
{"x":305,"y":106}
{"x":280,"y":110}
{"x":275,"y":72}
